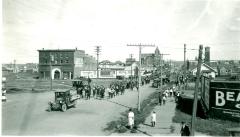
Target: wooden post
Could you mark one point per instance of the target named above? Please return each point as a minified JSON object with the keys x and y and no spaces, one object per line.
{"x":139,"y":70}
{"x":139,"y":77}
{"x":196,"y":90}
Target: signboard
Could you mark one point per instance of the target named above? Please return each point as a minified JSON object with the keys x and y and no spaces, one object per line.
{"x":107,"y":74}
{"x":225,"y":100}
{"x":90,"y":74}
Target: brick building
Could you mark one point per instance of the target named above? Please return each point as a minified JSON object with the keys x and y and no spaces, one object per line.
{"x":64,"y":64}
{"x":149,"y":61}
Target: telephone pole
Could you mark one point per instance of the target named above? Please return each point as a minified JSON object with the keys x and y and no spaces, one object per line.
{"x":131,"y":55}
{"x":196,"y":90}
{"x":98,"y":50}
{"x":161,"y":64}
{"x":51,"y":59}
{"x":184,"y":66}
{"x":139,"y":69}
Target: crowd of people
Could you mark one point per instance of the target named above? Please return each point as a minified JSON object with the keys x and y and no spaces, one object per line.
{"x":87,"y":90}
{"x":169,"y":92}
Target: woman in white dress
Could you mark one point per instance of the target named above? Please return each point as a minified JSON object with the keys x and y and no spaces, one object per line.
{"x":130,"y":118}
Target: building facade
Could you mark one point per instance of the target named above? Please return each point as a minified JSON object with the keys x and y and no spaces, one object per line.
{"x":64,"y":64}
{"x":149,"y":61}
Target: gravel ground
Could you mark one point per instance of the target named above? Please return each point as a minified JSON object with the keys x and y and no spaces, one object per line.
{"x":24,"y":114}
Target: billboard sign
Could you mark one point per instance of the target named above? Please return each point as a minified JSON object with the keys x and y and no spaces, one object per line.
{"x":225,"y":100}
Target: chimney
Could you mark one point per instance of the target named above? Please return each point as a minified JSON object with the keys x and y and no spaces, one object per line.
{"x":207,"y":55}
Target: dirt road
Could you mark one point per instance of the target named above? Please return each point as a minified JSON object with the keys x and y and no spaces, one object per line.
{"x":24,"y":114}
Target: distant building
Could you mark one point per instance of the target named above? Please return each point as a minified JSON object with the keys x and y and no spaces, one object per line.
{"x":64,"y":64}
{"x":206,"y":70}
{"x":149,"y":61}
{"x":207,"y":56}
{"x":6,"y":70}
{"x":130,"y":61}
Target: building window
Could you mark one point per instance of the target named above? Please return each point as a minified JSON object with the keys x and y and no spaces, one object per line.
{"x":61,"y":61}
{"x":67,"y":61}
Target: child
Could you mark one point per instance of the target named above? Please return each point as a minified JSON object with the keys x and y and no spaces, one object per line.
{"x":153,"y":118}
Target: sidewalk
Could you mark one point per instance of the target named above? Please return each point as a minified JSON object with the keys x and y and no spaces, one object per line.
{"x":164,"y":125}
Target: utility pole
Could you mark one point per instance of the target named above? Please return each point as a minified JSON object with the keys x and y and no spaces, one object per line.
{"x":196,"y":90}
{"x":139,"y":70}
{"x":131,"y":55}
{"x":14,"y":66}
{"x":51,"y":59}
{"x":98,"y":50}
{"x":184,"y":66}
{"x":161,"y":64}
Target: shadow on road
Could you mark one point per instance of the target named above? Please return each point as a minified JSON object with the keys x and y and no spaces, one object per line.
{"x":144,"y":132}
{"x":147,"y":124}
{"x":117,"y":103}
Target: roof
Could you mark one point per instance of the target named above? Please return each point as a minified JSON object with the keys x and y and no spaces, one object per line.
{"x":72,"y":50}
{"x":6,"y":69}
{"x":207,"y":66}
{"x":147,"y":55}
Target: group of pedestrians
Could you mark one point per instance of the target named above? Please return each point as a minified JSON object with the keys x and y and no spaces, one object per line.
{"x":84,"y":91}
{"x":98,"y":91}
{"x":116,"y":88}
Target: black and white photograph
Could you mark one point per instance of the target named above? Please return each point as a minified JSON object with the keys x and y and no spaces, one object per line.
{"x":120,"y":68}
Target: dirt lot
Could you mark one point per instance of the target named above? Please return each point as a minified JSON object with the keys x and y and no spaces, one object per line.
{"x":24,"y":112}
{"x":24,"y":82}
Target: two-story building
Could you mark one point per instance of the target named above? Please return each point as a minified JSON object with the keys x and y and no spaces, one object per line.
{"x":64,"y":63}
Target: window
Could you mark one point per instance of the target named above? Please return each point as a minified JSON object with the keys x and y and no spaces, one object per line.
{"x":67,"y":61}
{"x":61,"y":61}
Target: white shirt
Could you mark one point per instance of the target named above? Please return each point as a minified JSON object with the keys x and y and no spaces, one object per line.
{"x":131,"y":118}
{"x":154,"y":117}
{"x":130,"y":115}
{"x":108,"y":90}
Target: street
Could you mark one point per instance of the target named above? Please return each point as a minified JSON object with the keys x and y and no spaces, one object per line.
{"x":25,"y":114}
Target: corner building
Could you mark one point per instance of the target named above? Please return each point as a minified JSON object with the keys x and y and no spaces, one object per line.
{"x":64,"y":63}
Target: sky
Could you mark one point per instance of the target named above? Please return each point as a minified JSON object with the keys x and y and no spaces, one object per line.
{"x":30,"y":25}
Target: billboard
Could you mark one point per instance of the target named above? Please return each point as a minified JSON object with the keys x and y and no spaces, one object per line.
{"x":225,"y":100}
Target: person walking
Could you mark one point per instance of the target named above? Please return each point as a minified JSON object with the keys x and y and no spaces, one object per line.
{"x":164,"y":100}
{"x":185,"y":131}
{"x":130,"y":118}
{"x":153,"y":118}
{"x":160,"y":97}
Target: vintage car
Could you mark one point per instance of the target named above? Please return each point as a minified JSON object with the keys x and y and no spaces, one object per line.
{"x":64,"y":99}
{"x":156,"y":83}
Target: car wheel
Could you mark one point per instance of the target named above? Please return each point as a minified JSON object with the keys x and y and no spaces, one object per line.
{"x":64,"y":107}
